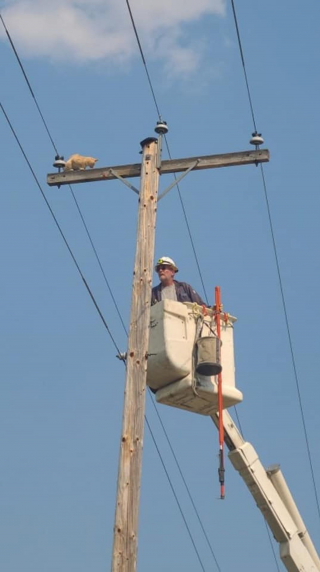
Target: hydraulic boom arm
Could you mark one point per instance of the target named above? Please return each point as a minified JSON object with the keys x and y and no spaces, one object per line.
{"x":273,"y":498}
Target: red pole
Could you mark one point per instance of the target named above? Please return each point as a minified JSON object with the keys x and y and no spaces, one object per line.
{"x":221,"y":470}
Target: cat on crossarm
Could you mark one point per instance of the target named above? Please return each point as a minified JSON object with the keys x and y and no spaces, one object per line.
{"x":79,"y":163}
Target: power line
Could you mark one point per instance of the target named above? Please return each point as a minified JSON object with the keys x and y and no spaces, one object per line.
{"x":189,"y":229}
{"x":26,"y":78}
{"x":243,"y":63}
{"x":279,"y":274}
{"x":238,"y":418}
{"x":143,"y":58}
{"x":167,"y":145}
{"x":99,"y":261}
{"x":272,"y":547}
{"x":185,"y":484}
{"x":56,"y":150}
{"x":290,"y":343}
{"x":59,"y":228}
{"x":175,"y":496}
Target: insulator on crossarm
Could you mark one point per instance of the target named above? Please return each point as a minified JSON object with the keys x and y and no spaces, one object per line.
{"x":161,"y":128}
{"x":256,"y":139}
{"x":59,"y":162}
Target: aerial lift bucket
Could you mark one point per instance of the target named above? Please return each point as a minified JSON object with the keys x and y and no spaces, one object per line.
{"x":176,"y":354}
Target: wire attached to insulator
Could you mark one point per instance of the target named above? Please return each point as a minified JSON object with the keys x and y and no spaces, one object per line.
{"x":221,"y":470}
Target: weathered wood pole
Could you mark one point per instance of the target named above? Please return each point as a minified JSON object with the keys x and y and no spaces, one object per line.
{"x":125,"y":542}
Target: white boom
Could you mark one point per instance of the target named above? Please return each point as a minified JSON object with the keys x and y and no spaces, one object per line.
{"x":274,"y":499}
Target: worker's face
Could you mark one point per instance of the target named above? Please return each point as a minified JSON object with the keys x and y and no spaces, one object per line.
{"x":166,"y":273}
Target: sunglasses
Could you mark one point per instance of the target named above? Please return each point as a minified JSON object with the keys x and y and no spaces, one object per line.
{"x":163,"y":267}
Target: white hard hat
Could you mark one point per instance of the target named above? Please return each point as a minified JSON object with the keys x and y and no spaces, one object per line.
{"x":167,"y":261}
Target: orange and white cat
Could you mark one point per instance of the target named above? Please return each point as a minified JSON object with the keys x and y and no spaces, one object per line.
{"x":79,"y":163}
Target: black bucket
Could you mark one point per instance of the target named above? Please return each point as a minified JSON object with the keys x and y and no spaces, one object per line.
{"x":208,"y":356}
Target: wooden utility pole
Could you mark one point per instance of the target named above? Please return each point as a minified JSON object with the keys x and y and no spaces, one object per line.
{"x":130,"y":462}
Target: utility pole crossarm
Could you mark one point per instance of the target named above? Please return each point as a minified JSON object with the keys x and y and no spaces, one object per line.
{"x":169,"y":166}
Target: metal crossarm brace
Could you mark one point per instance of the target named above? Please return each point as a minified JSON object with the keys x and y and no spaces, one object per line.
{"x":176,"y":181}
{"x":124,"y":181}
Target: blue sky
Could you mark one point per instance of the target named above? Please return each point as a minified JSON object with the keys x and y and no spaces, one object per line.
{"x":61,"y":385}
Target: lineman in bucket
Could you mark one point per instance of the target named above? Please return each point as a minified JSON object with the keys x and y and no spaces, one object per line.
{"x":208,"y":354}
{"x":171,"y":289}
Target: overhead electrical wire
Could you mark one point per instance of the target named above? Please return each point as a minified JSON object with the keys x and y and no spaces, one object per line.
{"x":167,"y":145}
{"x":185,"y":484}
{"x":279,"y":273}
{"x":243,"y":64}
{"x":175,"y":495}
{"x":291,"y":346}
{"x":188,"y":228}
{"x":26,"y":78}
{"x":56,"y":150}
{"x":143,"y":59}
{"x":99,"y":261}
{"x":111,"y":293}
{"x":59,"y":228}
{"x":272,"y":547}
